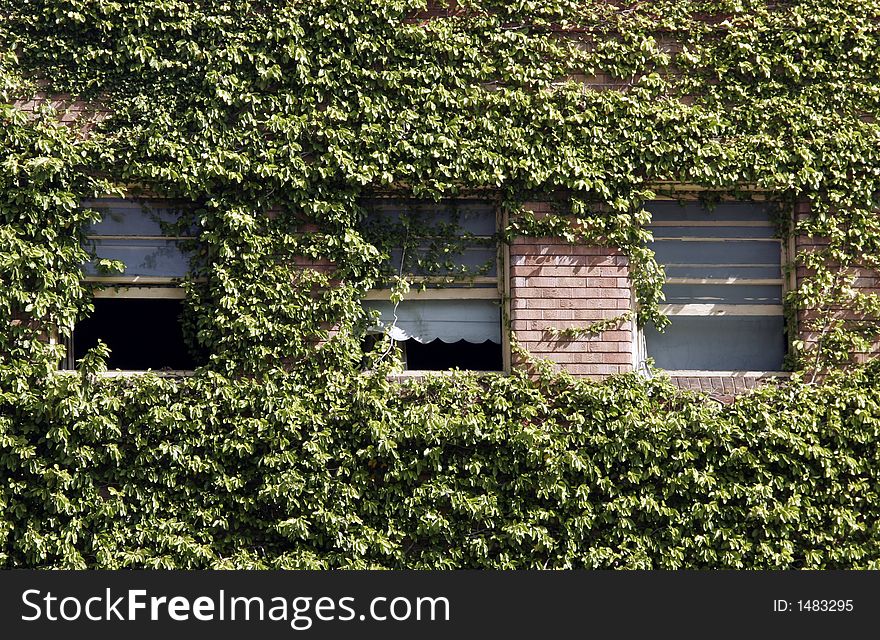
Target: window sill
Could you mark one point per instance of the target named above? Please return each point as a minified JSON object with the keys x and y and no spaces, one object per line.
{"x":685,"y":373}
{"x":404,"y":376}
{"x":118,"y":373}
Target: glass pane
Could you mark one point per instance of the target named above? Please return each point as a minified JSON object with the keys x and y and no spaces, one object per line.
{"x":671,"y":211}
{"x":130,"y":217}
{"x":719,"y":343}
{"x":158,"y":258}
{"x":722,"y":294}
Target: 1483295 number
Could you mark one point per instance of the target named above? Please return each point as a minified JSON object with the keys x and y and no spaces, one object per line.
{"x":825,"y":605}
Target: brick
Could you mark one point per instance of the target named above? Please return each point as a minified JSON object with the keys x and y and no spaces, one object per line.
{"x":559,"y":281}
{"x":689,"y":383}
{"x":706,"y":385}
{"x":609,"y":292}
{"x":532,"y":259}
{"x":539,"y":325}
{"x":582,"y":304}
{"x":531,"y":292}
{"x":526,"y":314}
{"x":560,"y":314}
{"x":572,"y":358}
{"x":580,"y":357}
{"x":592,"y":314}
{"x":533,"y":246}
{"x":607,"y":283}
{"x":585,"y":250}
{"x":526,"y":271}
{"x":538,"y":207}
{"x":563,"y":271}
{"x":616,"y":336}
{"x":598,"y":369}
{"x":602,"y":346}
{"x":554,"y":293}
{"x":552,"y":347}
{"x":616,"y":358}
{"x":536,"y":333}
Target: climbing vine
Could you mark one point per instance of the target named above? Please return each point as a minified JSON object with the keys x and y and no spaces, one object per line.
{"x":278,"y":121}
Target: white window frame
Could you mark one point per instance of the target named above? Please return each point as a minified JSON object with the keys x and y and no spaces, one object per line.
{"x":786,"y":280}
{"x":462,"y":292}
{"x":129,"y":287}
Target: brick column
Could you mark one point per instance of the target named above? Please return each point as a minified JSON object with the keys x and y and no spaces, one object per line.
{"x":867,"y":281}
{"x":558,"y":285}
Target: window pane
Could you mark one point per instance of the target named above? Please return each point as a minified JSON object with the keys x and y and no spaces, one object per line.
{"x":130,"y":217}
{"x":713,"y":231}
{"x":472,"y":261}
{"x":159,"y":258}
{"x":671,"y":211}
{"x":719,"y":343}
{"x":470,"y":216}
{"x":726,"y":272}
{"x":736,"y":252}
{"x":448,"y":238}
{"x":723,"y":294}
{"x":132,"y":231}
{"x":708,"y":253}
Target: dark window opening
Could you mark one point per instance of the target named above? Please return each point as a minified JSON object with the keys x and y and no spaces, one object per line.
{"x":142,"y":333}
{"x":438,"y":355}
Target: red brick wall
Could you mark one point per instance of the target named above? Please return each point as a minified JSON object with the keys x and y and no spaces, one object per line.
{"x":71,"y":111}
{"x":559,"y":285}
{"x":867,"y":281}
{"x":722,"y":387}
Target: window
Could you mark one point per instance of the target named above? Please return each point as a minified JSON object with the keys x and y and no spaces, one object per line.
{"x":452,"y":316}
{"x":142,"y":333}
{"x":137,"y":312}
{"x":723,"y":288}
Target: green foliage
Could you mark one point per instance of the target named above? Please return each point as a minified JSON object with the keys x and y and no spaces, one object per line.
{"x":309,"y":107}
{"x":498,"y":472}
{"x":281,"y":451}
{"x":592,"y":329}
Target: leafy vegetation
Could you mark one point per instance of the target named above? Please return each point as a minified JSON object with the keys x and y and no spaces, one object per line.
{"x":503,"y":472}
{"x":282,"y":451}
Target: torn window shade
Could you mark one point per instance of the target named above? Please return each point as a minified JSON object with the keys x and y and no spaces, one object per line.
{"x":474,"y":321}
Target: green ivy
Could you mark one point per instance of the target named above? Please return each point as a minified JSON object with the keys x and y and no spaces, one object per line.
{"x":290,"y":447}
{"x":502,"y":472}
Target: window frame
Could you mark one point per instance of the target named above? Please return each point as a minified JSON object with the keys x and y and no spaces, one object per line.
{"x":786,"y":281}
{"x":499,"y":293}
{"x":120,"y":286}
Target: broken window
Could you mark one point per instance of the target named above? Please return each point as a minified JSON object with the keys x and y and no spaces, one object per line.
{"x":136,"y":310}
{"x":723,"y":290}
{"x":142,"y":333}
{"x":451,"y":318}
